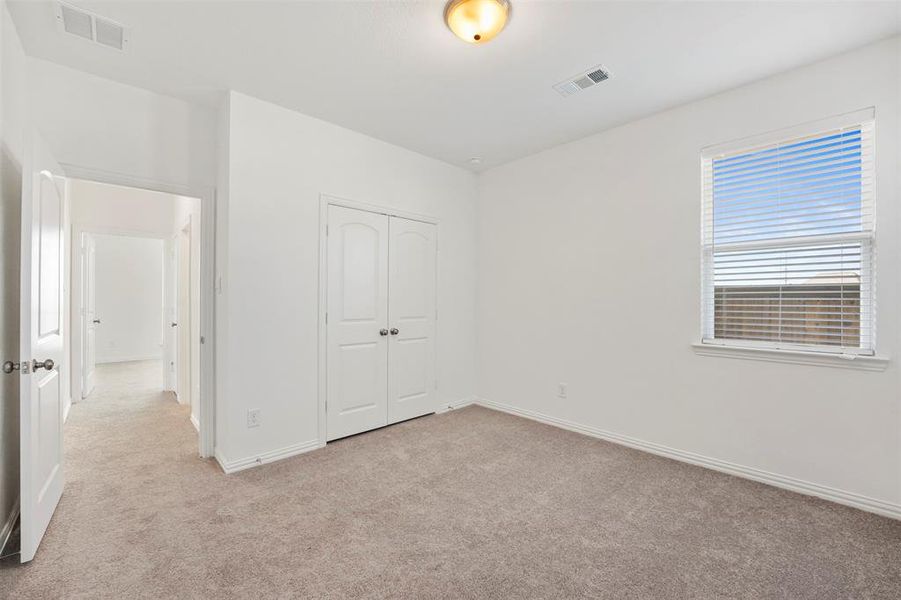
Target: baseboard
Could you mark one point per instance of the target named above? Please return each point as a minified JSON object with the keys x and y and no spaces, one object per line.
{"x":455,"y":405}
{"x":67,"y":406}
{"x":122,"y":359}
{"x":233,"y":466}
{"x":195,"y":423}
{"x":873,"y":505}
{"x":8,"y":526}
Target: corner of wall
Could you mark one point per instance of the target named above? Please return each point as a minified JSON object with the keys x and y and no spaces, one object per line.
{"x":220,"y":298}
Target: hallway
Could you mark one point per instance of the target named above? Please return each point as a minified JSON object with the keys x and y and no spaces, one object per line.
{"x":121,"y":444}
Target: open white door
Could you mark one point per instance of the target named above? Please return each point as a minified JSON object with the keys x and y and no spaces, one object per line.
{"x":91,"y":321}
{"x":41,"y":396}
{"x":183,"y":317}
{"x":170,"y":314}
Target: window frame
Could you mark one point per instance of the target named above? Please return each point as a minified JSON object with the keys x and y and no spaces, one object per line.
{"x":711,"y":345}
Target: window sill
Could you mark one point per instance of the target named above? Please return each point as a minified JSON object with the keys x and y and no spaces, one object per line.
{"x":819,"y":359}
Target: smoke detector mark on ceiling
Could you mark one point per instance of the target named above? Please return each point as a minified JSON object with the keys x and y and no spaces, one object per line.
{"x":89,"y":26}
{"x":583,"y":81}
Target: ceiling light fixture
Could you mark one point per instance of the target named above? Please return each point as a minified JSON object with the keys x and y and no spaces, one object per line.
{"x":476,"y":21}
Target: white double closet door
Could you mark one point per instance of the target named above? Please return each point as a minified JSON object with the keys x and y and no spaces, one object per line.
{"x":380,"y":320}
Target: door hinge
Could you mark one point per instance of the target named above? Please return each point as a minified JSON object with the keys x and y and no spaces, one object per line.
{"x":326,"y":230}
{"x":326,"y":318}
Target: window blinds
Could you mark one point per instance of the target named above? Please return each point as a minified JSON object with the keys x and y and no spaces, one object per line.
{"x":788,"y":231}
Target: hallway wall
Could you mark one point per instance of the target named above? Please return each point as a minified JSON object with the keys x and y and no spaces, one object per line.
{"x":129,"y":288}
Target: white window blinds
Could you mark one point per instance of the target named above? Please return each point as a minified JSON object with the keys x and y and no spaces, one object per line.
{"x":788,"y":239}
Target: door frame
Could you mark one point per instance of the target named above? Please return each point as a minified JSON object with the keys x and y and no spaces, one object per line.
{"x":184,"y":334}
{"x":78,"y":299}
{"x":326,"y":200}
{"x":207,"y":197}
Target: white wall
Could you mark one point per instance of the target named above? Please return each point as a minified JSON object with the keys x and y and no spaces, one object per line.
{"x":279,"y":162}
{"x":13,"y":119}
{"x":102,"y":207}
{"x":129,"y":288}
{"x":589,"y":274}
{"x":96,"y":123}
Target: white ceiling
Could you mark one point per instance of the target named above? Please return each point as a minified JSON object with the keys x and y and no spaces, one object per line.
{"x":392,"y":70}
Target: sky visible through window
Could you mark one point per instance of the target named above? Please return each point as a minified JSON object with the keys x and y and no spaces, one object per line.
{"x":806,"y":189}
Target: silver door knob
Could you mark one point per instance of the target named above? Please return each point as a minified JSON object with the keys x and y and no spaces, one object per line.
{"x":383,"y":332}
{"x":10,"y":366}
{"x":47,"y":364}
{"x":394,"y":331}
{"x":97,"y":321}
{"x":173,"y":324}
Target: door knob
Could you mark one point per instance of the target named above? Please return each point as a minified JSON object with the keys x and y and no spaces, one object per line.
{"x":173,"y":324}
{"x":394,"y":331}
{"x":47,"y":364}
{"x":383,"y":332}
{"x":10,"y":366}
{"x":97,"y":321}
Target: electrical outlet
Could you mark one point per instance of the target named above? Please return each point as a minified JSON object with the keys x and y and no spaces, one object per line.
{"x":561,"y":390}
{"x":253,"y":417}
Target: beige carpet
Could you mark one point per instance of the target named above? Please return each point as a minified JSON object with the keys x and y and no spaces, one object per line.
{"x":469,"y":504}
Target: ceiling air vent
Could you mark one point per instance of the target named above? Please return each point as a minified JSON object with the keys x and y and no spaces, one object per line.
{"x":89,"y":26}
{"x":583,"y":81}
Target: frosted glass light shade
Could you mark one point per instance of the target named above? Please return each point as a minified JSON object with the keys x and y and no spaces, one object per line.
{"x":476,"y":21}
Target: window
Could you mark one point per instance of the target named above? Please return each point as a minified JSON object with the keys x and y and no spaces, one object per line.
{"x":788,"y":239}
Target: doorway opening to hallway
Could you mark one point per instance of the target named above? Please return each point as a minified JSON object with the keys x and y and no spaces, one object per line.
{"x":135,"y":296}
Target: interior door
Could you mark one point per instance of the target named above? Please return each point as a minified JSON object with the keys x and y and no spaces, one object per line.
{"x":411,"y":308}
{"x":183,"y":317}
{"x":41,"y":392}
{"x":170,"y":314}
{"x":91,"y":320}
{"x":357,"y":322}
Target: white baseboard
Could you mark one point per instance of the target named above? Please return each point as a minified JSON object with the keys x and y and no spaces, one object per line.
{"x":195,"y":423}
{"x":873,"y":505}
{"x":455,"y":405}
{"x":122,"y":359}
{"x":8,"y":526}
{"x":233,"y":466}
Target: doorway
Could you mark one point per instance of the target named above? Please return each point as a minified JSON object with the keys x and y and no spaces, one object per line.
{"x":121,"y":307}
{"x":135,"y":305}
{"x":68,"y":217}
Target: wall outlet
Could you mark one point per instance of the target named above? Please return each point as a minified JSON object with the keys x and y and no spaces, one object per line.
{"x":253,"y":417}
{"x":561,"y":390}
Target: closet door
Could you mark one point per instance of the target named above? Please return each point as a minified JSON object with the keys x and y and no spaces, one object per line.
{"x":357,"y":328}
{"x":411,"y":308}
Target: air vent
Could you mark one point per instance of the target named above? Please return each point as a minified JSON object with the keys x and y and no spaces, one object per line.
{"x":109,"y":33}
{"x":87,"y":25}
{"x":583,"y":81}
{"x":76,"y":22}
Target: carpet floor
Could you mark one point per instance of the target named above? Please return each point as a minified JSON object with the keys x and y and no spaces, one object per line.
{"x":468,"y":504}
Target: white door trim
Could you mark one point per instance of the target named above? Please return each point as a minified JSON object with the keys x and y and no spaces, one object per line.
{"x":207,"y":196}
{"x":326,"y":200}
